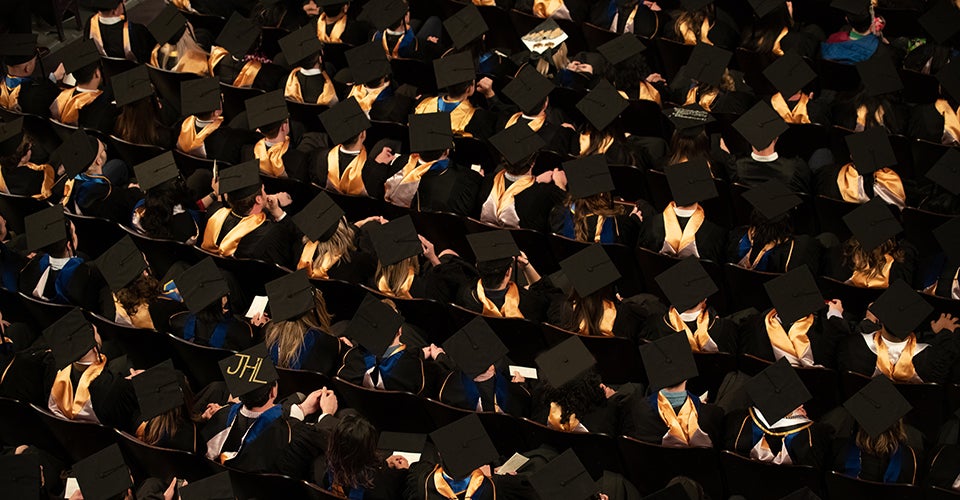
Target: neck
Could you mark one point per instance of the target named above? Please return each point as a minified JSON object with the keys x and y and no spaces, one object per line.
{"x":767,"y":151}
{"x":335,"y":18}
{"x":261,"y":409}
{"x":888,"y":337}
{"x":276,"y":139}
{"x":681,"y":387}
{"x":91,"y":85}
{"x":18,"y":71}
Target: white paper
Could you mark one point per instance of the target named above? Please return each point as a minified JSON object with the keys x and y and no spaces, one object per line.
{"x":410,"y":456}
{"x":72,"y":487}
{"x":524,"y":371}
{"x":546,"y":36}
{"x":258,"y":306}
{"x":513,"y":465}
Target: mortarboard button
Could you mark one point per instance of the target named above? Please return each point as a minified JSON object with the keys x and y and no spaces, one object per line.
{"x":266,"y":109}
{"x":794,"y":295}
{"x":201,"y":285}
{"x":290,"y":296}
{"x":761,"y":125}
{"x":374,"y":326}
{"x":121,"y":264}
{"x":518,"y":143}
{"x":344,"y":121}
{"x":156,"y":171}
{"x":691,"y":182}
{"x":588,"y":176}
{"x":686,"y":284}
{"x":319,"y":220}
{"x":878,"y":406}
{"x":590,"y":270}
{"x":668,"y":361}
{"x":528,"y":90}
{"x":199,"y":96}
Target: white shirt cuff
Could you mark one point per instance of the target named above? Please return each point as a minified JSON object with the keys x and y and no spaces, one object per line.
{"x":833,"y":313}
{"x":296,"y":412}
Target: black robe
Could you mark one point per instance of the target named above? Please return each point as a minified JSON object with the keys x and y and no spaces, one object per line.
{"x":710,"y":239}
{"x":22,"y":180}
{"x":453,"y":390}
{"x":837,"y":268}
{"x":933,"y":364}
{"x":651,"y":429}
{"x":825,"y":335}
{"x":373,"y":174}
{"x":420,"y":485}
{"x":141,"y":41}
{"x":874,"y":467}
{"x":161,"y":309}
{"x":311,"y":86}
{"x":808,"y":446}
{"x":36,"y":95}
{"x":100,"y":115}
{"x":83,"y":288}
{"x":355,"y":33}
{"x":534,"y":302}
{"x":269,"y":77}
{"x":224,"y":144}
{"x":270,"y":242}
{"x":452,"y":189}
{"x":793,"y":172}
{"x":721,"y":330}
{"x":238,"y":338}
{"x":534,"y":204}
{"x":799,"y":251}
{"x":406,"y":374}
{"x":557,"y":137}
{"x":614,"y":416}
{"x":945,"y":467}
{"x":295,"y":160}
{"x":926,"y":123}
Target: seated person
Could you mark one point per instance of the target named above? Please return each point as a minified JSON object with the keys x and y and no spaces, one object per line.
{"x":352,"y":465}
{"x":942,"y":282}
{"x":457,"y":81}
{"x":599,"y":136}
{"x":177,"y":49}
{"x":167,"y":210}
{"x":229,"y":60}
{"x":764,"y":164}
{"x":936,"y":122}
{"x":18,"y":175}
{"x":20,"y":91}
{"x":395,"y":34}
{"x":56,"y":272}
{"x":874,"y":256}
{"x":708,"y":24}
{"x":142,"y":118}
{"x":210,"y":320}
{"x":776,"y":32}
{"x":378,"y":358}
{"x":345,"y":168}
{"x":96,"y":186}
{"x":723,"y":93}
{"x":332,"y":247}
{"x":530,"y":92}
{"x":589,"y":213}
{"x":203,"y":132}
{"x":465,"y":450}
{"x":88,"y":103}
{"x":164,"y":397}
{"x":296,"y":333}
{"x":279,"y":152}
{"x":795,"y":100}
{"x":690,"y":141}
{"x":114,"y":35}
{"x":795,"y":328}
{"x":858,"y":40}
{"x":378,"y":95}
{"x":632,"y":16}
{"x":307,"y":81}
{"x":334,"y":24}
{"x":862,"y":179}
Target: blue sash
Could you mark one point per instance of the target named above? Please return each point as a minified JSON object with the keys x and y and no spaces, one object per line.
{"x":852,"y":465}
{"x":607,"y":234}
{"x":472,"y":392}
{"x":309,"y":340}
{"x":15,"y":81}
{"x":170,"y":291}
{"x":262,"y":422}
{"x":217,"y":338}
{"x":63,"y":278}
{"x":383,"y":367}
{"x":83,"y":183}
{"x":757,"y":434}
{"x":408,"y":43}
{"x":743,"y":248}
{"x":458,"y":485}
{"x":446,"y":107}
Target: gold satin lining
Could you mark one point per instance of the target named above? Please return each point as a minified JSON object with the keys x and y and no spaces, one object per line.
{"x":384,"y":287}
{"x":677,"y":238}
{"x":903,"y":371}
{"x":745,"y":262}
{"x":534,"y":124}
{"x":271,"y":159}
{"x":951,"y":124}
{"x":190,"y":141}
{"x":338,"y":27}
{"x":554,"y":422}
{"x":66,"y":108}
{"x":649,"y":93}
{"x":10,"y":99}
{"x":70,"y":403}
{"x":862,"y":117}
{"x":246,"y":76}
{"x":316,"y":271}
{"x":45,"y":188}
{"x":228,"y":245}
{"x":485,"y":3}
{"x":351,"y":180}
{"x":142,"y":317}
{"x":411,"y":174}
{"x":698,"y":339}
{"x":681,"y":425}
{"x":365,"y":96}
{"x":704,"y":100}
{"x":292,"y":89}
{"x":194,"y":61}
{"x":98,"y":38}
{"x":795,"y":343}
{"x":459,"y":118}
{"x":797,"y":115}
{"x":690,"y":35}
{"x":864,"y":280}
{"x":504,"y":197}
{"x":605,"y":142}
{"x":511,"y":303}
{"x":777,"y":50}
{"x":545,"y":8}
{"x":476,"y":479}
{"x":849,"y":184}
{"x":606,"y":322}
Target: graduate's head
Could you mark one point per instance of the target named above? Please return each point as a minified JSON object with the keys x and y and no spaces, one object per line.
{"x":578,"y":396}
{"x":66,"y":247}
{"x":20,"y":66}
{"x":486,"y":375}
{"x":335,"y":9}
{"x":249,"y":204}
{"x":428,"y":156}
{"x":495,"y":274}
{"x":355,"y":142}
{"x":461,"y":90}
{"x":860,"y":22}
{"x":109,"y":8}
{"x":260,"y":397}
{"x":287,"y":335}
{"x":352,"y":451}
{"x":138,"y":293}
{"x":15,"y":149}
{"x":275,"y":130}
{"x":88,"y":75}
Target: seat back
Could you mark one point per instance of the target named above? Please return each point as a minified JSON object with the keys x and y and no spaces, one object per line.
{"x":42,"y":312}
{"x":95,"y":235}
{"x":113,"y":66}
{"x":650,"y":467}
{"x":598,"y":452}
{"x":234,"y":99}
{"x":167,"y":85}
{"x":756,"y":479}
{"x":837,"y":76}
{"x":302,"y":381}
{"x":16,"y":208}
{"x":20,"y":425}
{"x":745,"y":287}
{"x":840,"y":486}
{"x":146,"y":461}
{"x":199,"y":363}
{"x":618,"y":360}
{"x":380,"y":407}
{"x":830,"y":214}
{"x":629,"y":183}
{"x":673,"y":55}
{"x":132,"y":153}
{"x":855,"y":299}
{"x":78,"y":439}
{"x":143,"y":348}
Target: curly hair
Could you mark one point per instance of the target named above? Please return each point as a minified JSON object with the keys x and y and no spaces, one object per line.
{"x":158,"y":207}
{"x":763,"y":230}
{"x":870,"y":262}
{"x":692,"y":20}
{"x":139,"y":293}
{"x":352,"y":452}
{"x":584,"y":208}
{"x":578,"y":396}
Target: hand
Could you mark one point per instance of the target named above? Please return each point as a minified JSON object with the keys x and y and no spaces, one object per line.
{"x":397,"y":462}
{"x":836,"y":306}
{"x":375,"y":218}
{"x":311,"y":9}
{"x":272,"y":204}
{"x":259,"y":319}
{"x":651,"y":5}
{"x":560,"y":178}
{"x":655,"y":78}
{"x":311,"y":403}
{"x":328,"y":402}
{"x":568,"y":125}
{"x":76,"y":494}
{"x":433,"y":39}
{"x":60,"y":72}
{"x":385,"y":156}
{"x":945,"y":321}
{"x":723,"y":146}
{"x":517,"y":378}
{"x":603,"y":496}
{"x":607,"y":392}
{"x":485,"y":87}
{"x":485,"y":469}
{"x":871,"y":317}
{"x":283,"y":198}
{"x":210,"y":410}
{"x":522,"y":260}
{"x":637,"y":213}
{"x":427,"y":246}
{"x":546,"y":177}
{"x":171,"y":492}
{"x":133,"y":373}
{"x":20,"y":449}
{"x":215,"y":185}
{"x":346,"y":341}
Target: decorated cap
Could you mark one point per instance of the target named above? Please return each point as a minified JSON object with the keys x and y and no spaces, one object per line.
{"x":247,"y":371}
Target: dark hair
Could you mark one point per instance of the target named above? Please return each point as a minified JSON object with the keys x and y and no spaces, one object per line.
{"x":86,"y":73}
{"x":158,"y":207}
{"x":13,"y":159}
{"x":492,"y":272}
{"x":138,"y":293}
{"x":458,"y":89}
{"x":584,"y":208}
{"x":587,"y":310}
{"x":521,"y":167}
{"x":333,"y":9}
{"x":628,"y":74}
{"x":243,"y":206}
{"x":59,"y":249}
{"x":876,"y":106}
{"x":768,"y":28}
{"x":429,"y":156}
{"x":136,"y":122}
{"x":271,"y":129}
{"x":685,"y":146}
{"x":578,"y":396}
{"x":269,"y":14}
{"x":352,"y":452}
{"x":769,"y":230}
{"x":860,"y":22}
{"x":257,"y":397}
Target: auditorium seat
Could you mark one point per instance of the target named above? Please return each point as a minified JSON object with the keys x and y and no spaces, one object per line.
{"x":234,"y":99}
{"x":16,"y":208}
{"x":711,"y":370}
{"x":414,"y":72}
{"x":146,"y":460}
{"x":131,"y":153}
{"x":43,"y":313}
{"x":342,"y":298}
{"x":803,"y":139}
{"x":830,"y":214}
{"x":95,"y":235}
{"x":113,"y":66}
{"x":380,"y":407}
{"x":161,"y":253}
{"x":445,"y":230}
{"x":673,"y":55}
{"x":598,"y":452}
{"x":823,"y":384}
{"x":650,"y":467}
{"x":937,"y":493}
{"x":618,"y":360}
{"x":143,"y":348}
{"x":78,"y":439}
{"x":918,"y":88}
{"x":855,"y":299}
{"x":188,"y":164}
{"x":167,"y":85}
{"x":595,"y":36}
{"x":199,"y":363}
{"x":918,"y":226}
{"x":208,"y":22}
{"x":756,"y":479}
{"x":307,"y":114}
{"x":630,"y":183}
{"x":744,"y":287}
{"x":840,"y":486}
{"x":290,"y":381}
{"x":21,"y":426}
{"x":250,"y":485}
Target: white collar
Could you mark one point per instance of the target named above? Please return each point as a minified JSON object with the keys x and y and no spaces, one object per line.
{"x":110,"y":20}
{"x":310,"y":71}
{"x":783,"y":422}
{"x":513,"y":178}
{"x":203,"y":123}
{"x":394,"y":33}
{"x":687,"y":317}
{"x":765,"y":158}
{"x":349,"y":152}
{"x":684,"y":212}
{"x":526,"y":117}
{"x":895,"y":345}
{"x":250,"y":413}
{"x":78,"y":89}
{"x":57,"y":263}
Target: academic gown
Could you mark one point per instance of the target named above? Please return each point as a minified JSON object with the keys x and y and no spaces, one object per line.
{"x":615,"y":415}
{"x":387,"y":483}
{"x":36,"y":95}
{"x":405,"y":373}
{"x":77,"y":283}
{"x":793,"y":172}
{"x":806,"y":444}
{"x":224,"y":144}
{"x":311,"y":86}
{"x":629,"y":320}
{"x":101,"y":114}
{"x":798,"y":251}
{"x":621,"y":228}
{"x":933,"y":364}
{"x":295,"y":160}
{"x":269,"y":77}
{"x":651,"y":429}
{"x":459,"y":390}
{"x":112,"y":398}
{"x":721,"y":330}
{"x":486,"y":120}
{"x":421,"y":485}
{"x":451,"y":189}
{"x":235,"y":334}
{"x":879,"y":469}
{"x":355,"y":33}
{"x":271,"y":241}
{"x":373,"y":174}
{"x":320,"y":352}
{"x":825,"y":335}
{"x":363,"y":261}
{"x":533,"y":205}
{"x":394,"y":104}
{"x":534,"y":302}
{"x":836,"y":268}
{"x":95,"y":196}
{"x":23,"y":181}
{"x":161,"y":309}
{"x":710,"y":238}
{"x":945,"y":467}
{"x":556,"y":136}
{"x":141,"y":41}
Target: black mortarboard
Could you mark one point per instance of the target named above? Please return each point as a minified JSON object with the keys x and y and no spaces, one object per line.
{"x":789,"y":74}
{"x":588,"y":176}
{"x":454,"y":69}
{"x":528,"y":90}
{"x":465,"y":26}
{"x":464,"y":446}
{"x":475,"y":347}
{"x":241,"y":180}
{"x":239,"y":35}
{"x":879,"y":75}
{"x":11,"y":135}
{"x":602,"y":105}
{"x":384,"y":14}
{"x":764,"y":7}
{"x":878,"y":406}
{"x":168,"y":26}
{"x":946,"y":171}
{"x":103,"y":475}
{"x":493,"y":245}
{"x":121,"y":264}
{"x":78,"y":152}
{"x":621,"y":48}
{"x":760,"y":125}
{"x":156,"y":171}
{"x":590,"y":269}
{"x":691,"y":182}
{"x":517,"y":143}
{"x":368,"y":63}
{"x":689,"y":117}
{"x":395,"y":240}
{"x":949,"y":78}
{"x":942,"y":20}
{"x":707,"y":64}
{"x":871,"y":150}
{"x":777,"y":391}
{"x":70,"y":338}
{"x":201,"y":285}
{"x":564,"y":477}
{"x":266,"y":109}
{"x":101,"y":4}
{"x":18,"y":48}
{"x":686,"y":283}
{"x":46,"y":227}
{"x":199,"y":96}
{"x":565,"y":362}
{"x":247,"y":371}
{"x":430,"y":132}
{"x":158,"y":390}
{"x":402,"y":441}
{"x":374,"y":326}
{"x":900,"y":309}
{"x":873,"y":223}
{"x":946,"y":236}
{"x":217,"y":487}
{"x":668,"y":361}
{"x":690,"y":5}
{"x":300,"y":44}
{"x":132,"y":85}
{"x":344,"y":120}
{"x":772,"y":199}
{"x":79,"y":54}
{"x":319,"y":220}
{"x":21,"y":475}
{"x":855,"y":7}
{"x":794,"y":295}
{"x":290,"y":296}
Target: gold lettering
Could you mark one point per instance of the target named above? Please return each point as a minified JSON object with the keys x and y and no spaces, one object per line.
{"x":243,"y":365}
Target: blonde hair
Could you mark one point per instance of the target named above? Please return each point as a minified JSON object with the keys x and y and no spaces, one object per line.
{"x":558,"y":59}
{"x":870,"y":262}
{"x":341,"y":243}
{"x":287,"y":336}
{"x":186,"y":44}
{"x":164,"y":425}
{"x":396,"y":274}
{"x":885,"y":444}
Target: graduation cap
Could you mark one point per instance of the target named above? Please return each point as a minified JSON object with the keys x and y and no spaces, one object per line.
{"x":546,"y":36}
{"x":871,"y":150}
{"x":873,"y":223}
{"x":691,"y":182}
{"x":772,"y":199}
{"x":158,"y":390}
{"x":879,"y":75}
{"x":454,"y":69}
{"x":942,"y":21}
{"x":18,"y":48}
{"x":266,"y":109}
{"x":564,"y":477}
{"x":21,"y":476}
{"x":856,"y":7}
{"x":319,"y":220}
{"x":79,"y":54}
{"x":493,"y":245}
{"x":239,"y":35}
{"x":374,"y":326}
{"x":949,"y":78}
{"x":760,"y":125}
{"x":668,"y":361}
{"x":789,"y":74}
{"x":290,"y":296}
{"x":344,"y":121}
{"x":103,"y":475}
{"x":528,"y":90}
{"x":121,"y":264}
{"x":201,"y":285}
{"x":101,"y":4}
{"x":621,"y":48}
{"x":132,"y":85}
{"x":794,"y":295}
{"x":241,"y":180}
{"x":878,"y":406}
{"x":565,"y":362}
{"x":707,"y":63}
{"x":384,"y":14}
{"x":464,"y":446}
{"x":430,"y":132}
{"x":368,"y":63}
{"x":395,"y":240}
{"x":777,"y":391}
{"x":300,"y":44}
{"x":946,"y":236}
{"x":156,"y":171}
{"x":78,"y":152}
{"x":691,"y":117}
{"x":168,"y":26}
{"x":690,"y":5}
{"x":402,"y":441}
{"x":588,"y":176}
{"x":11,"y":135}
{"x":686,"y":284}
{"x":764,"y":7}
{"x":602,"y":105}
{"x":216,"y":487}
{"x":475,"y":347}
{"x":590,"y":269}
{"x":946,"y":171}
{"x":465,"y":26}
{"x":517,"y":143}
{"x":45,"y":227}
{"x":199,"y":96}
{"x":247,"y":371}
{"x":70,"y":338}
{"x":900,"y":309}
